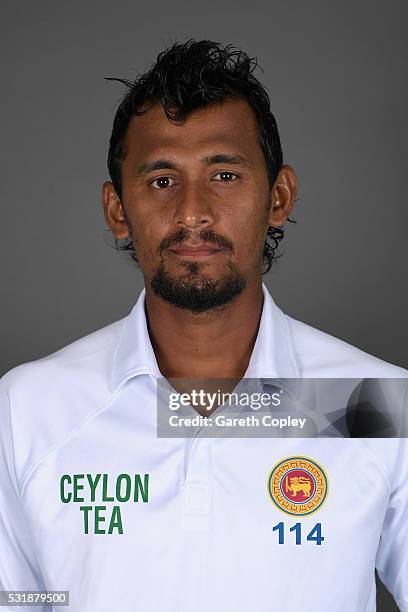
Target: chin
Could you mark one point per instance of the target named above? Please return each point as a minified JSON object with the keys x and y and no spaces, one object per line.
{"x":195,"y":291}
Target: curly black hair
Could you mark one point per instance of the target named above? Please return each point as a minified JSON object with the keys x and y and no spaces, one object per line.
{"x":190,"y":76}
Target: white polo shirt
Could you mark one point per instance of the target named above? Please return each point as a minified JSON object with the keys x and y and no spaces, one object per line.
{"x":94,"y":503}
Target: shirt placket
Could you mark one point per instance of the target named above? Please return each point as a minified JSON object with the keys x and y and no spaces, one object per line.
{"x":196,"y":492}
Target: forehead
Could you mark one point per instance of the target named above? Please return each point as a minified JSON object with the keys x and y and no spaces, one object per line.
{"x":230,"y":125}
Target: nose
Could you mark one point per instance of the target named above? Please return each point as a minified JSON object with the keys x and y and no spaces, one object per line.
{"x":194,"y":209}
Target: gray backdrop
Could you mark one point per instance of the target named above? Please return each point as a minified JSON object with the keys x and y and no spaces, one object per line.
{"x":336,"y":73}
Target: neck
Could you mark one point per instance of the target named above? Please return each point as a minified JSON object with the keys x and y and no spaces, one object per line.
{"x":212,"y":344}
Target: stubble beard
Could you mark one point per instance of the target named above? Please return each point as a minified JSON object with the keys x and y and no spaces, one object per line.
{"x":194,"y":291}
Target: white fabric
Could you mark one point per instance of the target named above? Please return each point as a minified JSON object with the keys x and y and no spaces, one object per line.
{"x":204,"y":540}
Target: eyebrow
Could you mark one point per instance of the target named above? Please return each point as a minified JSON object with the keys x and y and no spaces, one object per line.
{"x":223,"y":158}
{"x":157,"y":164}
{"x":166,"y":164}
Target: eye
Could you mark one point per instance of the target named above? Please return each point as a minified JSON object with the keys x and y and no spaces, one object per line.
{"x":162,"y":182}
{"x":226,"y":177}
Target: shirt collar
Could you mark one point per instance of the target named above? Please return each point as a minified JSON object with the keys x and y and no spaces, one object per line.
{"x":273,"y":355}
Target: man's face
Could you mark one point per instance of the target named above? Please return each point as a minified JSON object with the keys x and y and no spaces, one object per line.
{"x":198,"y":203}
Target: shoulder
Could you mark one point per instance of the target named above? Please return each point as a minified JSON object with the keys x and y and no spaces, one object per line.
{"x":84,"y":359}
{"x":43,"y":401}
{"x":320,"y":354}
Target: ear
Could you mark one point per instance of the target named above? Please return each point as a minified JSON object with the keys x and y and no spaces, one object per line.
{"x":114,"y":212}
{"x":283,"y":196}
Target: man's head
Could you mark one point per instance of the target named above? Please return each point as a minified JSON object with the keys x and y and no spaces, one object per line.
{"x":195,"y":160}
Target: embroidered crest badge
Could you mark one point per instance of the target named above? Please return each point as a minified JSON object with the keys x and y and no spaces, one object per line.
{"x":298,"y":486}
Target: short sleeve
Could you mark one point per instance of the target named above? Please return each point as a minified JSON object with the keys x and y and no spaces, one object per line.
{"x":19,"y":569}
{"x":392,"y":553}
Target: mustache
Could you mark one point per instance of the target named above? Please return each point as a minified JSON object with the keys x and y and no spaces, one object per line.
{"x":207,"y":236}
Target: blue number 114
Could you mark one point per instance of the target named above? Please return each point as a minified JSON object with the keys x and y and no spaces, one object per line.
{"x":315,"y":535}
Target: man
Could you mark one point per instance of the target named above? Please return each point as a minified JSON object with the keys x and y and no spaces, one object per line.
{"x":92,"y":501}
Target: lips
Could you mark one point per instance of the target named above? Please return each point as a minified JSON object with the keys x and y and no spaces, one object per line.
{"x":195,"y":251}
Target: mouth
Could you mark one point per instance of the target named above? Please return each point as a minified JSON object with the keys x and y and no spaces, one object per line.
{"x":199,"y":251}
